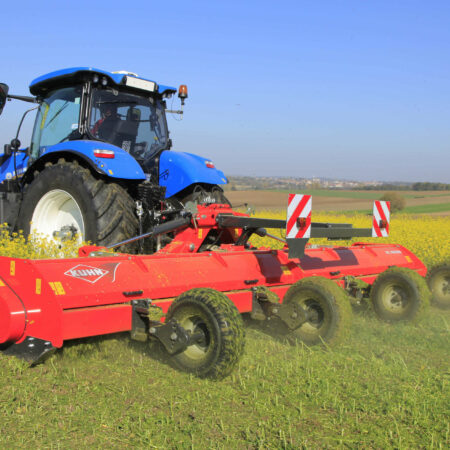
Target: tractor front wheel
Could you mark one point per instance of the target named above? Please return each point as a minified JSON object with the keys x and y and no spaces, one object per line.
{"x":65,"y":200}
{"x":399,"y":294}
{"x":212,"y":315}
{"x":439,"y":283}
{"x":327,"y":307}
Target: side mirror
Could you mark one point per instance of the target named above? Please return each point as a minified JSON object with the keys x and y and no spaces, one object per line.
{"x":4,"y":88}
{"x":12,"y":147}
{"x":15,"y":144}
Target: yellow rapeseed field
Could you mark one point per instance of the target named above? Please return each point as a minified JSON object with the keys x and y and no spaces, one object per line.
{"x":34,"y":247}
{"x":427,"y":236}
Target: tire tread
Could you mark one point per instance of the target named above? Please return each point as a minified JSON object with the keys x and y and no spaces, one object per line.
{"x":231,"y":328}
{"x":114,"y":207}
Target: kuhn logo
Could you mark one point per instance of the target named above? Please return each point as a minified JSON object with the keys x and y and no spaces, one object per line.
{"x":92,"y":274}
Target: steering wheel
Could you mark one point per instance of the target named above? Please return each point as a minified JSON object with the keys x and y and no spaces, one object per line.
{"x":140,"y":150}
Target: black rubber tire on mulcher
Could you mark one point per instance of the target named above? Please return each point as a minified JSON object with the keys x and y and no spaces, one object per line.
{"x":438,"y":279}
{"x":107,"y":209}
{"x":212,"y":312}
{"x":331,"y":308}
{"x":400,"y":294}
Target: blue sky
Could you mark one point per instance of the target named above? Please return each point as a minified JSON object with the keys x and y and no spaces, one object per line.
{"x":341,"y":89}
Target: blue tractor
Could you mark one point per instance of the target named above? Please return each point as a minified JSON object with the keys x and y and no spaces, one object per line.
{"x":98,"y":166}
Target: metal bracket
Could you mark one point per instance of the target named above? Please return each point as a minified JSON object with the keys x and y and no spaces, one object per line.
{"x":250,"y":225}
{"x":296,"y":247}
{"x":265,"y":303}
{"x":139,"y":319}
{"x":32,"y":350}
{"x":172,"y":335}
{"x":356,"y":288}
{"x":293,"y":315}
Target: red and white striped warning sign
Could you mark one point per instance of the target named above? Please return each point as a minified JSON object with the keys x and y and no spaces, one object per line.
{"x":298,"y":222}
{"x":381,"y":216}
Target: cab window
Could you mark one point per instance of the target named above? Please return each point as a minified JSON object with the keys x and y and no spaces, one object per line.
{"x":57,"y":119}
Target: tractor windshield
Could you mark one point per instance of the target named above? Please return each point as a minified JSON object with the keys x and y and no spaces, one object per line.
{"x":133,"y":122}
{"x":57,"y":119}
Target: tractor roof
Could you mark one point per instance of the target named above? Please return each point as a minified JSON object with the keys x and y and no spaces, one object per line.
{"x":72,"y":75}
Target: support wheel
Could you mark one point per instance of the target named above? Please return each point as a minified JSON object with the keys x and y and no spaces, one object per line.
{"x":65,"y":200}
{"x":399,"y":294}
{"x":211,"y":314}
{"x":438,"y":280}
{"x":328,"y":309}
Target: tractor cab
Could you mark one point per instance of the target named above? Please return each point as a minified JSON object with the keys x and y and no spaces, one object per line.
{"x":129,"y":120}
{"x":90,"y":104}
{"x":98,"y":165}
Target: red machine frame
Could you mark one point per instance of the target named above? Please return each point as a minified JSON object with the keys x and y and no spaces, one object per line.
{"x":46,"y":302}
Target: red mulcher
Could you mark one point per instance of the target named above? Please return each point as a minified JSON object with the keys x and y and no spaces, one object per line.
{"x":201,"y":281}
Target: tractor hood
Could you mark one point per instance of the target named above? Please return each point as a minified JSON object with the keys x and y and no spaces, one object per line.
{"x":178,"y":170}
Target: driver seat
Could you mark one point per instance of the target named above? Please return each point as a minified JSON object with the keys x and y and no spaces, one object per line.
{"x":126,"y":132}
{"x":107,"y":129}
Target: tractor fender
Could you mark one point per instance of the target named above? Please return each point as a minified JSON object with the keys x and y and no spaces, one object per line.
{"x":121,"y":165}
{"x":178,"y":170}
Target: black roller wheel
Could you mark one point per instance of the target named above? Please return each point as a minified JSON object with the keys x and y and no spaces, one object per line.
{"x":65,"y":200}
{"x":211,"y":314}
{"x":438,"y":280}
{"x":328,"y":309}
{"x":399,"y":294}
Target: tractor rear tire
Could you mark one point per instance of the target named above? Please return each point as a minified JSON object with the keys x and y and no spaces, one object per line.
{"x":438,"y":280}
{"x":211,"y":312}
{"x":329,"y":307}
{"x":66,"y":194}
{"x":399,"y":294}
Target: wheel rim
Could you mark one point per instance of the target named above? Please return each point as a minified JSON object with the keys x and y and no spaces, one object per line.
{"x":316,"y":311}
{"x":441,"y":285}
{"x":395,"y":298}
{"x":57,"y":216}
{"x":199,"y":350}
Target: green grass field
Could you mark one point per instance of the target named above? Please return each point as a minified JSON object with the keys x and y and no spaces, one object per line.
{"x":387,"y":386}
{"x":426,"y":209}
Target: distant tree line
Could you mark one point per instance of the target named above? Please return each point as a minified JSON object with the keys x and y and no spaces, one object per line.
{"x":268,"y":183}
{"x":431,"y":186}
{"x":384,"y":187}
{"x":425,"y":186}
